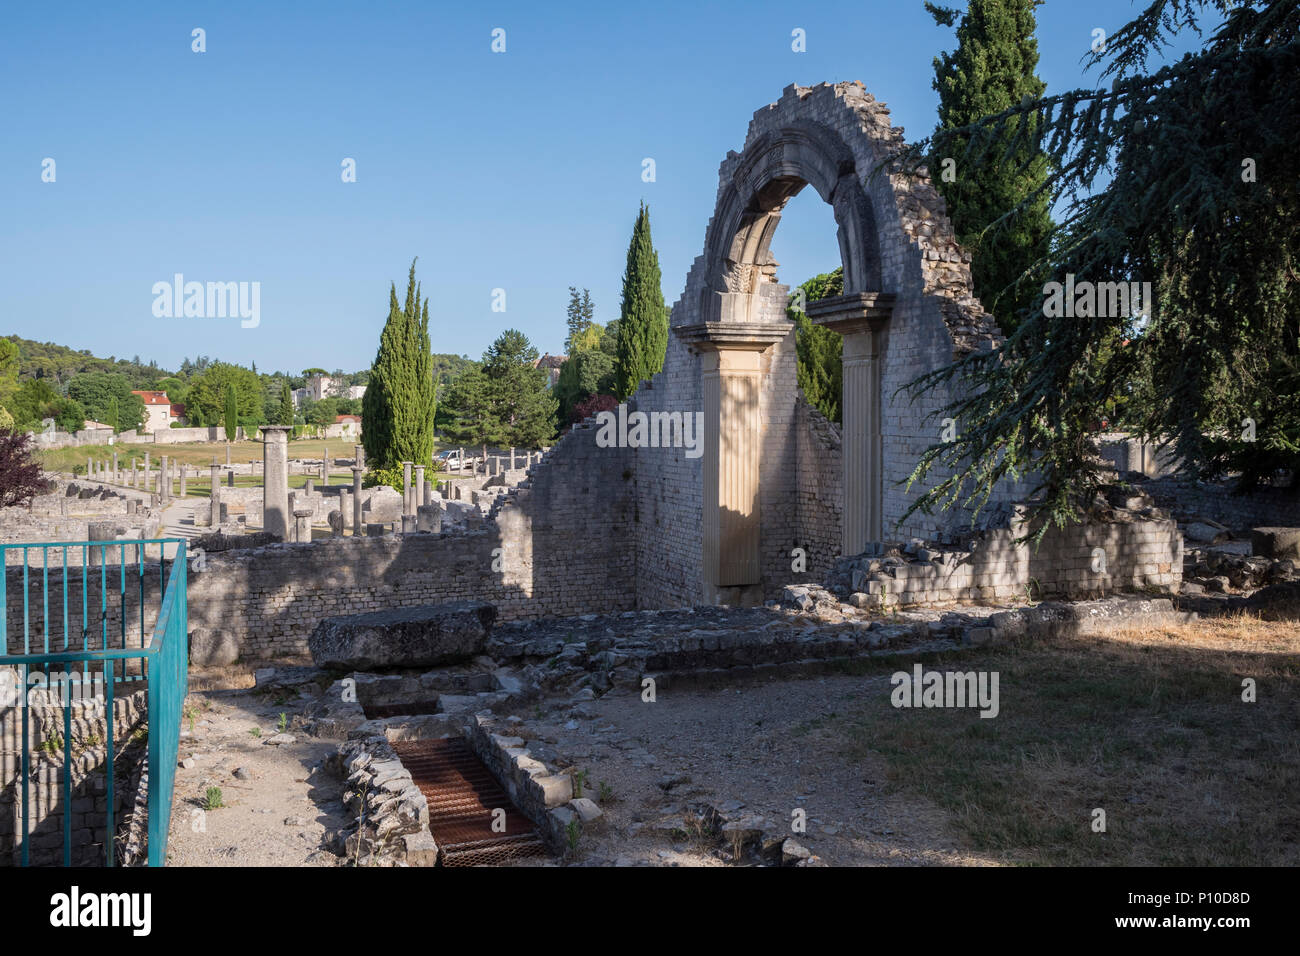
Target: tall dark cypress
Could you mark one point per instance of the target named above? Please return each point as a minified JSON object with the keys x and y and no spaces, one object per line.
{"x":991,"y":70}
{"x":398,"y":407}
{"x":643,"y":320}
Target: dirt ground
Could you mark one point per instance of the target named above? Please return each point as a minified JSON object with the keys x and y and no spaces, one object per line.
{"x":763,"y":746}
{"x":277,"y":803}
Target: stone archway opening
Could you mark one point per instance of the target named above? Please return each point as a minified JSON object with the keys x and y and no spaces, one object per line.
{"x":907,"y":307}
{"x":742,"y":307}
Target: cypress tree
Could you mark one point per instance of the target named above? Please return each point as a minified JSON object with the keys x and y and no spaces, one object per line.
{"x":284,"y":415}
{"x":1200,"y":199}
{"x":232,"y":414}
{"x":397,"y":410}
{"x":991,"y":70}
{"x":643,"y":320}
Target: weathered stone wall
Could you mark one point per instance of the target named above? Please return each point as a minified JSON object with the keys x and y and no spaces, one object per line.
{"x":820,"y":481}
{"x":1077,"y":562}
{"x":89,"y":807}
{"x":1274,"y":507}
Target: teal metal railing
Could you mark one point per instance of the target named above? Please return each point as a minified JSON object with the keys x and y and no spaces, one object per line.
{"x":118,"y":637}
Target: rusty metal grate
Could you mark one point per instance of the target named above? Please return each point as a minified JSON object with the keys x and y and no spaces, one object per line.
{"x":414,"y":709}
{"x":462,"y":794}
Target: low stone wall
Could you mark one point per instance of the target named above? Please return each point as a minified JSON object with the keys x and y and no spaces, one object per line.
{"x":1083,"y":561}
{"x":1273,"y":507}
{"x":177,"y":436}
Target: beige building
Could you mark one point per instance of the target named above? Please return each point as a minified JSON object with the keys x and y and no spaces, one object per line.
{"x":159,"y":412}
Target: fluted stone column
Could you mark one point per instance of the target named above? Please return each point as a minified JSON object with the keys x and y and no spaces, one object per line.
{"x":359,"y":455}
{"x":345,"y":507}
{"x":164,"y":479}
{"x":731,"y":383}
{"x":184,"y":469}
{"x":116,"y":474}
{"x":406,"y":489}
{"x":325,"y":469}
{"x":418,"y":498}
{"x":860,"y":318}
{"x":275,"y":480}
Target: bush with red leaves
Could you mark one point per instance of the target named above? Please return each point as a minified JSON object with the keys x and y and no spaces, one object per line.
{"x":592,"y":405}
{"x":20,"y":472}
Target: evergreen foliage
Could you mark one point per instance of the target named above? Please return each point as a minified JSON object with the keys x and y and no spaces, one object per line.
{"x":1182,"y":176}
{"x":398,"y":410}
{"x":643,"y":318}
{"x":993,"y":69}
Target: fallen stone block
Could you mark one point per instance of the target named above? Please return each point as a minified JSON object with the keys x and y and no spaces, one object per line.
{"x":210,"y":648}
{"x":1275,"y":543}
{"x":403,"y":637}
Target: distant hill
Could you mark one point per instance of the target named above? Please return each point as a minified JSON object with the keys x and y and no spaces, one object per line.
{"x":58,"y":363}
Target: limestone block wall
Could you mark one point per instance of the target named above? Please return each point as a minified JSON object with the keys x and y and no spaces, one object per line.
{"x":1079,"y":562}
{"x":819,"y":481}
{"x":215,"y":433}
{"x":1272,"y":507}
{"x":89,"y":807}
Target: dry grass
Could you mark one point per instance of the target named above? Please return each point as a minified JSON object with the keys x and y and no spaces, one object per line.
{"x":1148,"y":725}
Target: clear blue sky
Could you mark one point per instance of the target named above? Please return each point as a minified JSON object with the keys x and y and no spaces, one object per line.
{"x":519,"y":170}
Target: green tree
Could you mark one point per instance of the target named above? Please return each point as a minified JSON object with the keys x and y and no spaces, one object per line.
{"x":580,"y":317}
{"x":8,"y":371}
{"x":34,"y":400}
{"x":818,"y":350}
{"x":206,"y":400}
{"x":1200,"y":198}
{"x":521,"y":402}
{"x":231,"y":418}
{"x":643,"y":319}
{"x":284,"y":414}
{"x":467,"y":413}
{"x":999,"y":210}
{"x":98,"y":391}
{"x":398,"y":409}
{"x":584,"y":373}
{"x":69,"y":415}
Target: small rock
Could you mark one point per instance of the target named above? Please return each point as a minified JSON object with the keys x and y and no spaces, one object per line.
{"x":277,"y":740}
{"x":666,"y":783}
{"x":793,"y":851}
{"x":242,"y":774}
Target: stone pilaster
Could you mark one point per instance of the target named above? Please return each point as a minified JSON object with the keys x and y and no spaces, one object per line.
{"x":731,"y":377}
{"x":860,"y":318}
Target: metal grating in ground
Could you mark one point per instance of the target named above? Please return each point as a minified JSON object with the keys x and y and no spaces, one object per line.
{"x":462,"y":795}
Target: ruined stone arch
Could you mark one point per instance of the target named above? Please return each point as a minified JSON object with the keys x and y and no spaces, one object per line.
{"x":772,"y":171}
{"x":907,"y":308}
